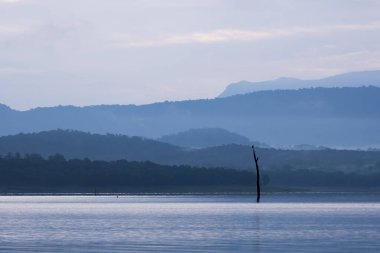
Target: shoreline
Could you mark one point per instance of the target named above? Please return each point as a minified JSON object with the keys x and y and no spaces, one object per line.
{"x":188,"y":193}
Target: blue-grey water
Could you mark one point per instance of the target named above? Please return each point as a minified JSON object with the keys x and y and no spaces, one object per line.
{"x":281,"y":223}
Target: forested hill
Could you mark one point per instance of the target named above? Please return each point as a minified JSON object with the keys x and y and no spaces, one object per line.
{"x":317,"y":116}
{"x":74,"y":144}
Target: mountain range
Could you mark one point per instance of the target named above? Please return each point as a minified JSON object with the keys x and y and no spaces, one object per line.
{"x":348,"y":117}
{"x":352,"y":79}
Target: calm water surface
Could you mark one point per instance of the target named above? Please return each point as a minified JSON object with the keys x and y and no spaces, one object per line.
{"x":281,"y":223}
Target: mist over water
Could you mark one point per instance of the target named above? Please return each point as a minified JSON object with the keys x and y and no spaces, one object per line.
{"x":282,"y":223}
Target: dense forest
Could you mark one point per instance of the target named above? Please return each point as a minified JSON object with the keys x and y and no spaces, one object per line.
{"x":33,"y":173}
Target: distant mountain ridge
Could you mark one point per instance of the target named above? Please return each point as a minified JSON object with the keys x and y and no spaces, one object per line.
{"x":315,"y":116}
{"x":205,"y":137}
{"x":351,"y":79}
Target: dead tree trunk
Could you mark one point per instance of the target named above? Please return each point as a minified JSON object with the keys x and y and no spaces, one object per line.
{"x":257,"y":174}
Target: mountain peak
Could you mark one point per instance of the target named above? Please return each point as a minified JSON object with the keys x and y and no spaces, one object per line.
{"x":4,"y":107}
{"x":205,"y":137}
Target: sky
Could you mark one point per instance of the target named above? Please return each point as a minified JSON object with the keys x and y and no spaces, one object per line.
{"x":86,"y":52}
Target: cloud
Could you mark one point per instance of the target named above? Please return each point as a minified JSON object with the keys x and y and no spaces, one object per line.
{"x":9,"y":1}
{"x":230,"y":35}
{"x":11,"y":29}
{"x":362,"y":27}
{"x":124,"y":40}
{"x":17,"y":71}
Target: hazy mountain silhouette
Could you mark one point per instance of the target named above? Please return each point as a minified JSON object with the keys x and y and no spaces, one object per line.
{"x":74,"y":144}
{"x":316,"y":116}
{"x":206,"y":137}
{"x":352,"y":79}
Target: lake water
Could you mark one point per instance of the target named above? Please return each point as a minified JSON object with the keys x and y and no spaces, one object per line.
{"x":281,"y":223}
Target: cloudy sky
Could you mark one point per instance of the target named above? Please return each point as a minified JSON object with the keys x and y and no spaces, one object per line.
{"x":85,"y":52}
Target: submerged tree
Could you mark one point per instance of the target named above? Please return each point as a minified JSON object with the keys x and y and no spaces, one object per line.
{"x":257,"y":174}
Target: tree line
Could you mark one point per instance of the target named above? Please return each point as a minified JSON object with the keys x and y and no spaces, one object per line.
{"x":32,"y":171}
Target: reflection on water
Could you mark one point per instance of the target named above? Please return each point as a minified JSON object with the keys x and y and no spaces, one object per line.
{"x":283,"y":223}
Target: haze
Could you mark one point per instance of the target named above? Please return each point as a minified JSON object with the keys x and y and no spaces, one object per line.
{"x":122,"y":52}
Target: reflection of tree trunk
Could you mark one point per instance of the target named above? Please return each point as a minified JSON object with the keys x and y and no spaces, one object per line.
{"x":257,"y":173}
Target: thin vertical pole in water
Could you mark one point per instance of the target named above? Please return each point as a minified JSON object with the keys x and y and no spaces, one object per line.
{"x":257,"y":174}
